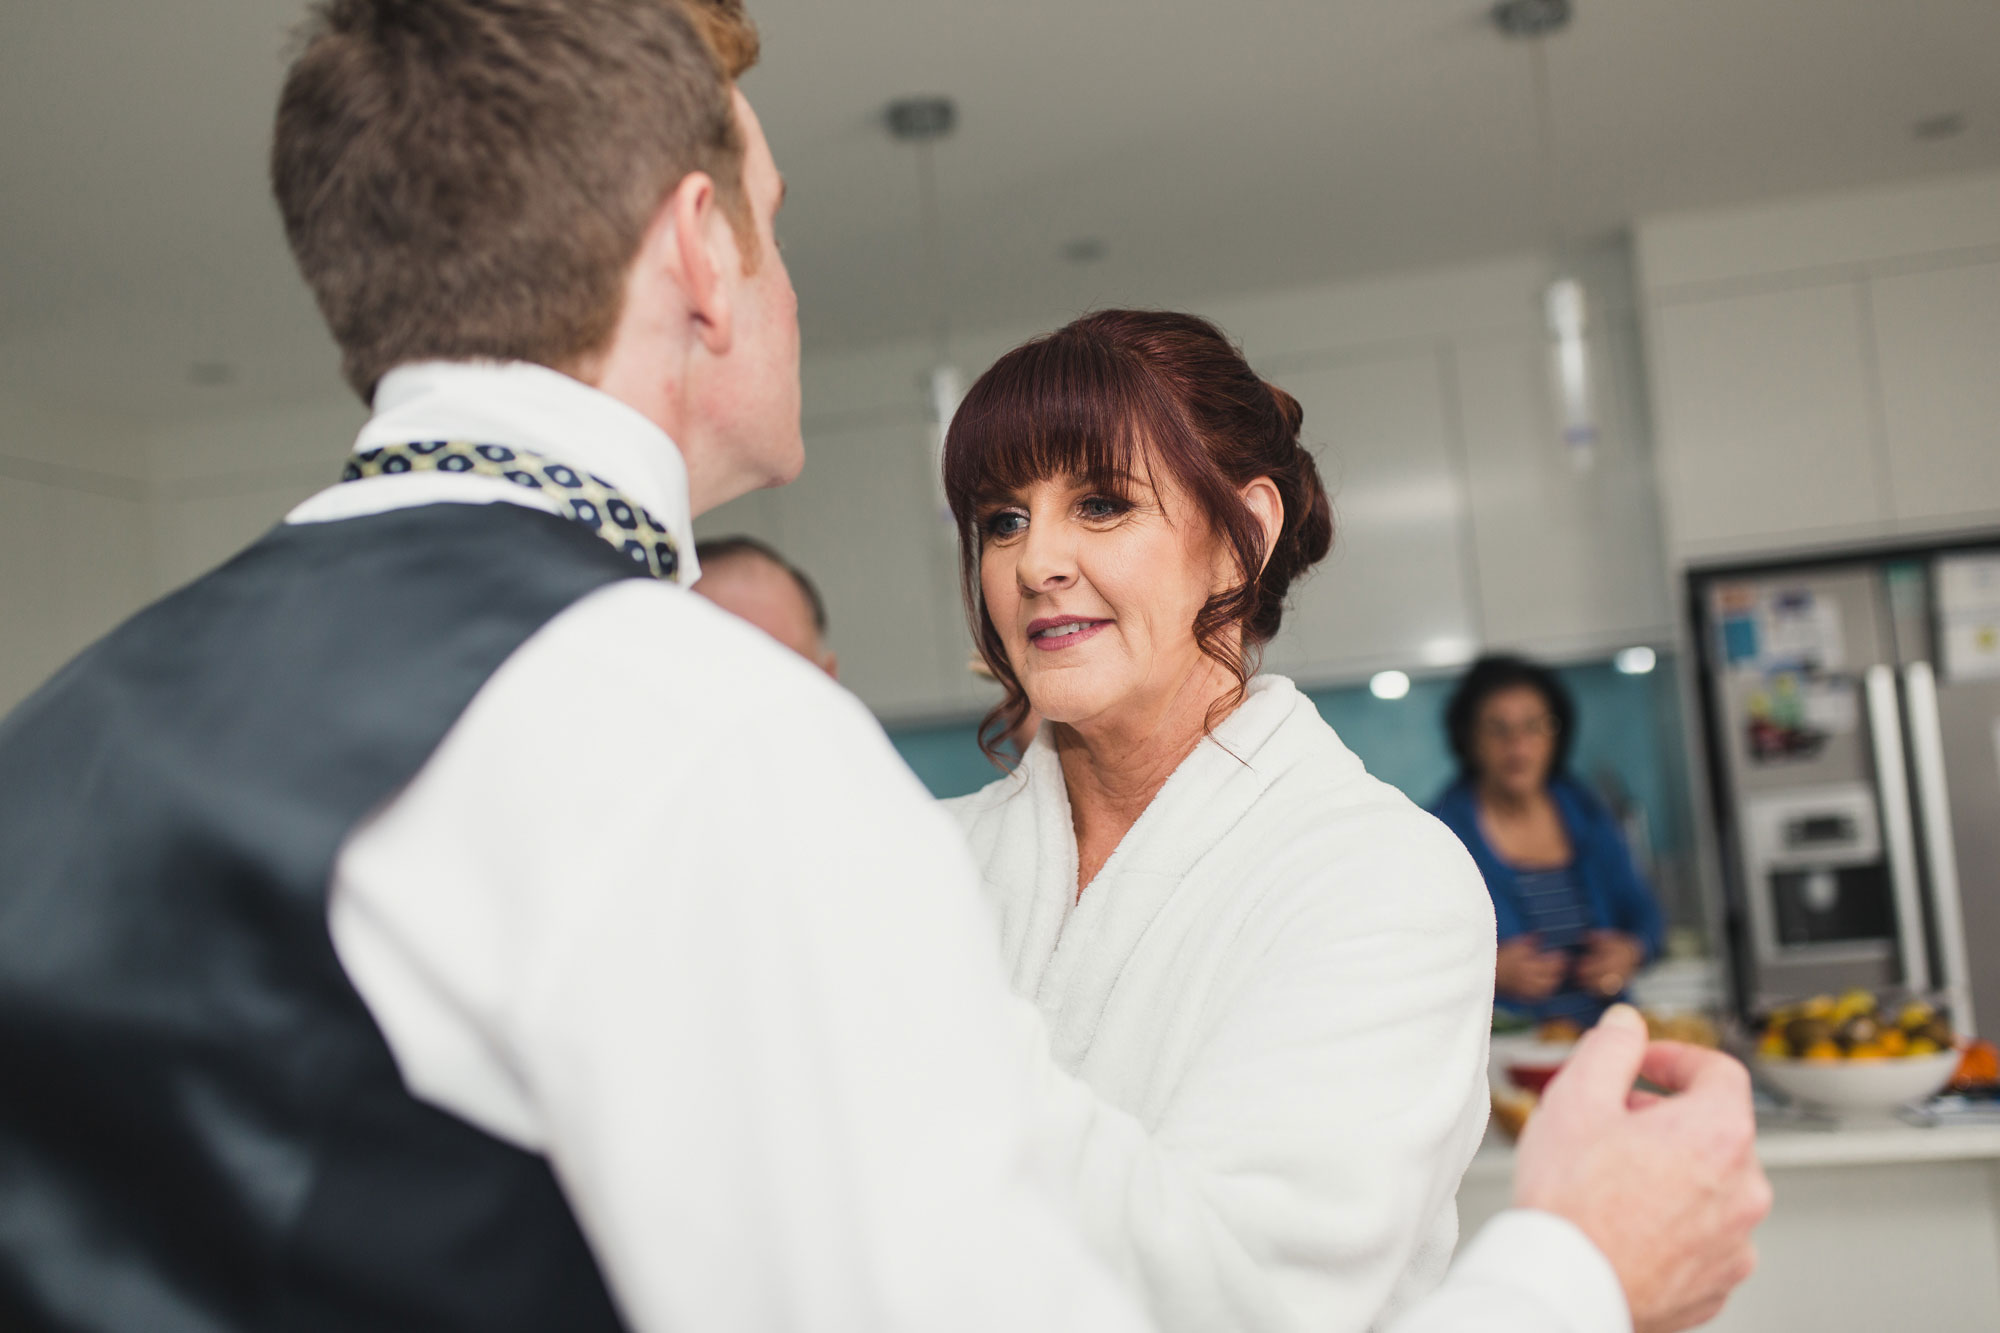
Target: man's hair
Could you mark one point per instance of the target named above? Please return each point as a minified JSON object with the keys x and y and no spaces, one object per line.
{"x":728,"y":548}
{"x":468,"y":179}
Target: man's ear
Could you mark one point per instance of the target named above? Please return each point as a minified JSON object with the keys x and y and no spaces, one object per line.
{"x":691,"y":240}
{"x":1268,"y":508}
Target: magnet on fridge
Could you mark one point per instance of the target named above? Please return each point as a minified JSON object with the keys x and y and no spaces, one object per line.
{"x":1739,"y":639}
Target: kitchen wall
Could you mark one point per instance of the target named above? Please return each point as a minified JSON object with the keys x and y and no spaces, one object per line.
{"x":75,"y":554}
{"x":220,"y":482}
{"x":1463,"y":522}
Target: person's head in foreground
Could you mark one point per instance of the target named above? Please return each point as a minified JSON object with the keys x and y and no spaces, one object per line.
{"x":1133,"y":504}
{"x":751,"y":580}
{"x":576,"y":184}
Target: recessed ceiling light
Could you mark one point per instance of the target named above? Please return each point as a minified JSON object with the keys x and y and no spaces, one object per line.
{"x":1930,"y":129}
{"x":1084,"y":250}
{"x":211,"y":374}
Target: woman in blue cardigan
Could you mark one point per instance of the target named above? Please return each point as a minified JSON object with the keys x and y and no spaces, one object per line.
{"x":1575,"y":918}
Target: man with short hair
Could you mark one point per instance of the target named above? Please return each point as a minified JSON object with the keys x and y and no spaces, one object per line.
{"x":397,"y":933}
{"x":749,"y":579}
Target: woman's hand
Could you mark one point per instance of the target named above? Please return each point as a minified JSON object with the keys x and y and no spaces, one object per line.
{"x":1526,"y":971}
{"x":1609,"y":961}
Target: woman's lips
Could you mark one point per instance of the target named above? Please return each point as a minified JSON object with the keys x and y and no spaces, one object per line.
{"x":1068,"y":632}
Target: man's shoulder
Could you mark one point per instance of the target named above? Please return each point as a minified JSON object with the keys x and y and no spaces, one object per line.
{"x":658,"y":645}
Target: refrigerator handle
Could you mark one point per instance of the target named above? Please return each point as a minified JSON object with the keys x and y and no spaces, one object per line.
{"x":1940,"y":854}
{"x":1885,"y":729}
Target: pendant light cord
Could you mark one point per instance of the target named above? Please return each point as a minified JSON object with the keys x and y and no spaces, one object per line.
{"x":1545,"y":138}
{"x":933,"y":240}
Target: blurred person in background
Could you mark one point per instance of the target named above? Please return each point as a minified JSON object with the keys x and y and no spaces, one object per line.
{"x":750,"y":579}
{"x":1575,"y":918}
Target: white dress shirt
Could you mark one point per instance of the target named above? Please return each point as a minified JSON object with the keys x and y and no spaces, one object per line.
{"x":666,"y":907}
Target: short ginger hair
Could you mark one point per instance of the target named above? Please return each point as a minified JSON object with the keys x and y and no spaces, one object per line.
{"x":466,"y":179}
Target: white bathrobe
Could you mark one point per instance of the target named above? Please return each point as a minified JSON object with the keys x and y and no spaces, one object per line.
{"x":1274,"y":999}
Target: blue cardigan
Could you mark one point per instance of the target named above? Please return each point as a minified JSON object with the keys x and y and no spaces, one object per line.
{"x":1619,"y":897}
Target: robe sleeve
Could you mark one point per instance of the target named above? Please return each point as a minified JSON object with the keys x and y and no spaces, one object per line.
{"x":1337,"y":1092}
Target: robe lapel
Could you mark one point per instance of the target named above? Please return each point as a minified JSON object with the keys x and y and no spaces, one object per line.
{"x":1203,"y":800}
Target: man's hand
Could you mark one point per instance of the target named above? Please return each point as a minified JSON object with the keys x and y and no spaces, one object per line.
{"x":1667,"y":1187}
{"x":1611,"y":958}
{"x":1525,"y":971}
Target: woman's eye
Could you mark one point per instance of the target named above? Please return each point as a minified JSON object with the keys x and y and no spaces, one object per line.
{"x":1006,"y":524}
{"x":1103,"y":506}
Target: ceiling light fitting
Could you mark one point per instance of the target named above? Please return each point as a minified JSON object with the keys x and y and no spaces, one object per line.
{"x":1532,"y":18}
{"x":1084,"y":250}
{"x":1931,"y":129}
{"x":1565,"y":304}
{"x":921,"y":122}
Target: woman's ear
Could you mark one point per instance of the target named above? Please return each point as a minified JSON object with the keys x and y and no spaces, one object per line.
{"x":1268,"y":508}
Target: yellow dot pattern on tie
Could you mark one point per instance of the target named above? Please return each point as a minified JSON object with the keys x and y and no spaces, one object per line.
{"x":580,"y":496}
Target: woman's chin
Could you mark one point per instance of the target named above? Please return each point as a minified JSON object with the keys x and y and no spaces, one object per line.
{"x":1066,"y":706}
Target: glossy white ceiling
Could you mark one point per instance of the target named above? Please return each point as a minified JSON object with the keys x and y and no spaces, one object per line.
{"x":1211,"y":147}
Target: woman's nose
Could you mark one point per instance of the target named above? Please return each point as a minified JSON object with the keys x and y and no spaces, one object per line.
{"x":1048,"y":559}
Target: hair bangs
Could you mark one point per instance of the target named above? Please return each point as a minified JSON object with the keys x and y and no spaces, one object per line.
{"x":1061,"y":406}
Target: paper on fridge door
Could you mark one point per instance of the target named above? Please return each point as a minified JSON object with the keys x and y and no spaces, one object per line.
{"x":1968,"y":598}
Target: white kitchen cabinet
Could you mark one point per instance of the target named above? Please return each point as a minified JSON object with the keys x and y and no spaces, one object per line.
{"x":1766,"y":417}
{"x":1395,"y":591}
{"x":861,"y":520}
{"x":1938,"y":339}
{"x":1569,"y":557}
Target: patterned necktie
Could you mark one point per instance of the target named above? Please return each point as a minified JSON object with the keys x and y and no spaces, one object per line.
{"x":582,"y":496}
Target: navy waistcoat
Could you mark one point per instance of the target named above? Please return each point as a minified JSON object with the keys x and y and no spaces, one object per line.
{"x":201,"y":1126}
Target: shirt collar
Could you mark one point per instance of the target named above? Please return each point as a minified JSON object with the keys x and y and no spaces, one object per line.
{"x":533,"y":407}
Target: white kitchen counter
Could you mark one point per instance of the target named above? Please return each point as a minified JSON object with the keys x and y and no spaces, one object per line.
{"x":1878,"y":1227}
{"x":1873,"y":1141}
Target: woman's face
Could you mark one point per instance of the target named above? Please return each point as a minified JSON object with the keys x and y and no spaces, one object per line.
{"x":1514,"y":740}
{"x":1094,"y":595}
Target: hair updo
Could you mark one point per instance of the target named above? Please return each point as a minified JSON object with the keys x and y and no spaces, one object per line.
{"x":1124,"y":392}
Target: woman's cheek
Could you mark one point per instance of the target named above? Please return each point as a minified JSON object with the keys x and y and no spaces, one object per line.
{"x":995,"y":587}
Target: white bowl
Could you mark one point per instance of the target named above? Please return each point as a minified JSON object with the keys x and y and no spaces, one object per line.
{"x":1859,"y":1085}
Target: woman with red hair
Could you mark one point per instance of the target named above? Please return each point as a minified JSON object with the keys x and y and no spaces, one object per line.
{"x":1264,"y":977}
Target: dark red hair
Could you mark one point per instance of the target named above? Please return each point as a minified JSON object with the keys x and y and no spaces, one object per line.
{"x":1123,"y":393}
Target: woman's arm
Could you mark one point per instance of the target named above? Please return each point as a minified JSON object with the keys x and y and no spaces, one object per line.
{"x":1636,"y":909}
{"x":1310,"y":1156}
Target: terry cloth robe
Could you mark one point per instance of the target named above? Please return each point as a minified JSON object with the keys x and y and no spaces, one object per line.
{"x":1262,"y":1070}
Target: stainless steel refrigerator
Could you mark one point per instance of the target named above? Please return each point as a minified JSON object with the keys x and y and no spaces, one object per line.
{"x":1852,"y":712}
